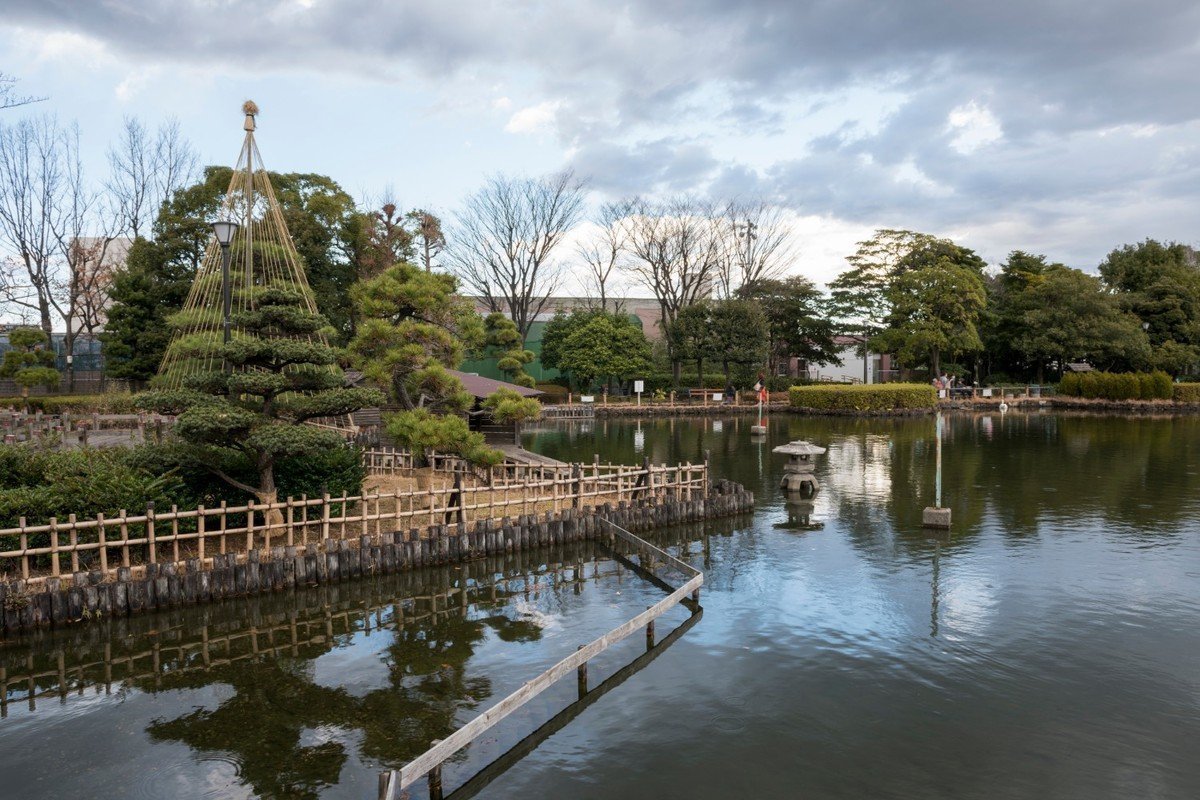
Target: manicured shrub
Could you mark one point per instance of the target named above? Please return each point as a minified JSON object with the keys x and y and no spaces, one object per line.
{"x":1187,"y":392}
{"x":872,"y":398}
{"x":1117,"y":385}
{"x":109,"y":403}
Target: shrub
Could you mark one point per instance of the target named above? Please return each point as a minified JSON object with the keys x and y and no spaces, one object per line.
{"x":1186,"y":392}
{"x":506,"y":406}
{"x":872,"y":398}
{"x":1117,"y":385}
{"x":111,"y":403}
{"x":39,"y":484}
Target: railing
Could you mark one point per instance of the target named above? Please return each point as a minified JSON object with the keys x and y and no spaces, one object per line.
{"x":429,"y":763}
{"x":36,"y":552}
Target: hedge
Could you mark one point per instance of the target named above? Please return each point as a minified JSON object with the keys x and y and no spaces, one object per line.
{"x":1186,"y":393}
{"x":111,"y":403}
{"x":1117,"y":385}
{"x":870,"y":398}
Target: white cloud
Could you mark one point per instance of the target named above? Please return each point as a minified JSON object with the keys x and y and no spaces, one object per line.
{"x":502,"y":104}
{"x":534,"y":119}
{"x":974,"y":126}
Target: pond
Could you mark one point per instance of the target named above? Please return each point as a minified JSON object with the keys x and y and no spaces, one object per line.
{"x":1049,"y":645}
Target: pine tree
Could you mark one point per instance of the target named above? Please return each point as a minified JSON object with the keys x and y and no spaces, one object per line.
{"x":257,"y":391}
{"x":29,"y":360}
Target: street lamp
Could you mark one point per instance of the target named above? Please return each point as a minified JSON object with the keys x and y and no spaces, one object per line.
{"x":225,"y":231}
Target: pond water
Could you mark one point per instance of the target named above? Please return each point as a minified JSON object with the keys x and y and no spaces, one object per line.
{"x":1048,"y":646}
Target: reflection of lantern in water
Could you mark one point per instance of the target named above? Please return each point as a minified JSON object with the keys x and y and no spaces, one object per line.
{"x":799,"y":514}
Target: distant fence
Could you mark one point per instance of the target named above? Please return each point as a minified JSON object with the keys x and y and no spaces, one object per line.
{"x":17,"y":426}
{"x":154,"y":536}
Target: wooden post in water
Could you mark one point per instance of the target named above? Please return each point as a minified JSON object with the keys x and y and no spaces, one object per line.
{"x":649,"y":634}
{"x":581,"y":675}
{"x":435,"y":777}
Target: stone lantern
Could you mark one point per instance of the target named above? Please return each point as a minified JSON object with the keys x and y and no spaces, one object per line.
{"x":798,"y":472}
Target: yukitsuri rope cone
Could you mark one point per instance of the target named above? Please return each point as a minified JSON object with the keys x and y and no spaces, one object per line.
{"x":261,"y":255}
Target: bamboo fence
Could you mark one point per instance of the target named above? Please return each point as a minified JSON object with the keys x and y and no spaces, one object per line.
{"x":155,"y":536}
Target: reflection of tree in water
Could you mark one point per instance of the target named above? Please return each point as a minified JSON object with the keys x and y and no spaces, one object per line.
{"x":275,"y":701}
{"x":1026,"y":470}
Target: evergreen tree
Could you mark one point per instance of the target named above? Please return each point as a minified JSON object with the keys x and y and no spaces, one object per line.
{"x":503,"y":342}
{"x":798,"y":324}
{"x":413,"y":328}
{"x":1064,"y":314}
{"x":691,"y":336}
{"x":1160,"y":284}
{"x":29,"y":361}
{"x":600,"y":346}
{"x":277,"y":376}
{"x":326,"y":231}
{"x":740,"y":335}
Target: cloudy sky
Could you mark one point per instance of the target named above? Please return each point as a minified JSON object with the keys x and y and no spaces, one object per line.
{"x":1058,"y":126}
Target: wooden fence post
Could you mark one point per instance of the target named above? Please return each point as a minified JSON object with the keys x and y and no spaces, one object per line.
{"x":577,"y":490}
{"x":150,"y":532}
{"x":581,"y":676}
{"x":435,"y":777}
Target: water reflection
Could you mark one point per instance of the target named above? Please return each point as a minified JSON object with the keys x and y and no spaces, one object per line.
{"x":292,"y":688}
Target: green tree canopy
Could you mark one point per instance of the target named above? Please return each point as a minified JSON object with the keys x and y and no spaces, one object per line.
{"x":798,"y":322}
{"x":1064,"y":315}
{"x":278,"y":376}
{"x":414,"y":327}
{"x":29,"y":361}
{"x":740,"y":334}
{"x":1160,"y":284}
{"x":595,"y":346}
{"x":325,"y":228}
{"x":503,"y":342}
{"x":691,"y":336}
{"x":935,"y":309}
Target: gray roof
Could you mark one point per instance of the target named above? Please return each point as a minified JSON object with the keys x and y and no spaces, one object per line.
{"x":481,"y":387}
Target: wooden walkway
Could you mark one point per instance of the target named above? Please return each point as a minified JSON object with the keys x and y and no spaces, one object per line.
{"x":429,"y":763}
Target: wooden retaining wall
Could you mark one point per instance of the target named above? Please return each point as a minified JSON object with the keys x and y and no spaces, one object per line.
{"x":82,"y":596}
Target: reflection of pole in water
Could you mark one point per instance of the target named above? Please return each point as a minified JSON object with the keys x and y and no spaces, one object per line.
{"x":933,"y":610}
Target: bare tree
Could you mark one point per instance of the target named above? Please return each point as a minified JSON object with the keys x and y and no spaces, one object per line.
{"x":606,"y":250}
{"x":676,"y":248}
{"x":31,"y":188}
{"x":8,"y":93}
{"x":761,"y":246}
{"x":505,"y":238}
{"x":146,"y":169}
{"x":46,"y":211}
{"x":428,"y":239}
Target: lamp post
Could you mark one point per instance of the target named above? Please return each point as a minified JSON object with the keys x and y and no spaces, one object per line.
{"x":225,"y":231}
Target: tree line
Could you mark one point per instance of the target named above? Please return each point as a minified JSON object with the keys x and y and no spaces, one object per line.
{"x":716,"y":271}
